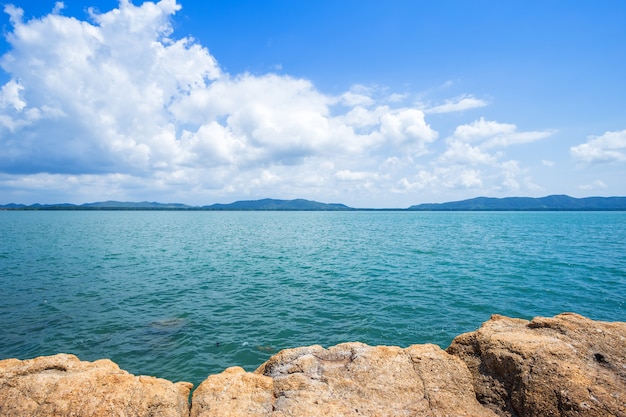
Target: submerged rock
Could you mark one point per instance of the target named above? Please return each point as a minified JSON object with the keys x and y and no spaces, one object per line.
{"x":562,"y":366}
{"x":62,"y":385}
{"x":174,"y":323}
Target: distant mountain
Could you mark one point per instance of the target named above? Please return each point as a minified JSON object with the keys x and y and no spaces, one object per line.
{"x":265,"y":204}
{"x":12,"y":206}
{"x":104,"y":205}
{"x":551,"y":202}
{"x":132,"y":205}
{"x":272,"y":204}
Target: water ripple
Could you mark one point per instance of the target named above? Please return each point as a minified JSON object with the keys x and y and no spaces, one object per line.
{"x":181,"y":295}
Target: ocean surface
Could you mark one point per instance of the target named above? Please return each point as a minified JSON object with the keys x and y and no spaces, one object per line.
{"x":181,"y":295}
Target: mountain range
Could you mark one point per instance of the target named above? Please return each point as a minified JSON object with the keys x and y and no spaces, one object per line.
{"x":264,"y":204}
{"x":551,"y":202}
{"x":273,"y":204}
{"x":548,"y":203}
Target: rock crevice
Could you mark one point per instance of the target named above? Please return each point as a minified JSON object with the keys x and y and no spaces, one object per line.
{"x":547,"y":366}
{"x":565,"y":365}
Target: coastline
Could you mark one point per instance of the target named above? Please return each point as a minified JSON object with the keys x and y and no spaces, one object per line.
{"x":564,"y":365}
{"x":548,"y":203}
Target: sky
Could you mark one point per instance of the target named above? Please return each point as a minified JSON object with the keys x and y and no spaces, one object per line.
{"x":370,"y":103}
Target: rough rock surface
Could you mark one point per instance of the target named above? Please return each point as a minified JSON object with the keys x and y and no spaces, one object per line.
{"x":62,"y":385}
{"x":351,"y":379}
{"x":562,"y":366}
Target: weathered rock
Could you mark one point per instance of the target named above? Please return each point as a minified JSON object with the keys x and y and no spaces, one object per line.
{"x":351,"y":379}
{"x":62,"y":385}
{"x":234,"y":392}
{"x":562,"y":366}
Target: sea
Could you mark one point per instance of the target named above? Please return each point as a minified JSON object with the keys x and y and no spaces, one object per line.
{"x":184,"y":294}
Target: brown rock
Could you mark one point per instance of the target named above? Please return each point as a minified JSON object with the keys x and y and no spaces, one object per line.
{"x":351,"y":379}
{"x":234,"y":392}
{"x":562,"y":366}
{"x":62,"y":385}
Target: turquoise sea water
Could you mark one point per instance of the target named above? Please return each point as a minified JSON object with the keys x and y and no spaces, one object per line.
{"x":182,"y":295}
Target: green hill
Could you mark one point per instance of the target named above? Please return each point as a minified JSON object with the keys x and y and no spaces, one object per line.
{"x":273,"y":204}
{"x":552,"y":202}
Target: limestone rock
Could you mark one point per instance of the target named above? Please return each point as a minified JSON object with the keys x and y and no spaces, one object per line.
{"x":62,"y":385}
{"x":562,"y":366}
{"x":234,"y":392}
{"x":351,"y":379}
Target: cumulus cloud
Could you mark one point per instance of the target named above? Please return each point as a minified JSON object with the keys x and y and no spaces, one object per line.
{"x":455,"y":177}
{"x":474,"y":158}
{"x":95,"y":97}
{"x":609,"y":147}
{"x":10,"y":96}
{"x":119,"y":94}
{"x":118,"y":107}
{"x":460,"y":152}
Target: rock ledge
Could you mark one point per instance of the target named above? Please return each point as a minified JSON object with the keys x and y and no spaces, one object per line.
{"x":567,"y":365}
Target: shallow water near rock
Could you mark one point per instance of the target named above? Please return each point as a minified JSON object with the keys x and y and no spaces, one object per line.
{"x":181,"y":295}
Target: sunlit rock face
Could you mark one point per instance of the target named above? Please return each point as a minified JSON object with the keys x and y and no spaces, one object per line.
{"x":567,"y":365}
{"x":62,"y":385}
{"x":350,"y":379}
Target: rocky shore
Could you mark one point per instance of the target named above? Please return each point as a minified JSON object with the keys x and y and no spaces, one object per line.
{"x":567,"y":365}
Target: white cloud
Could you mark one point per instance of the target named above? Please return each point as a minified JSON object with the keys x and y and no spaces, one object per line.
{"x":15,"y":14}
{"x":462,"y":178}
{"x":59,"y":188}
{"x":359,"y":118}
{"x":596,"y":185}
{"x":469,"y":162}
{"x":354,"y":98}
{"x":58,"y":6}
{"x":510,"y":173}
{"x":517,"y":138}
{"x":100,"y":91}
{"x":117,"y":107}
{"x":347,"y":175}
{"x":481,"y":129}
{"x":457,"y":104}
{"x":10,"y":96}
{"x":610,"y":147}
{"x":407,"y":127}
{"x":121,"y":100}
{"x":422,"y":180}
{"x":396,"y":98}
{"x":492,"y":134}
{"x":460,"y":152}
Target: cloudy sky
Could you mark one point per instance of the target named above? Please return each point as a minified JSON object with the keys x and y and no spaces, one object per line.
{"x":365,"y":102}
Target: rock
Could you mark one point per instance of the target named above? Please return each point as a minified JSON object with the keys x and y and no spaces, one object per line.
{"x":562,"y":366}
{"x":62,"y":385}
{"x":234,"y":392}
{"x":351,"y":379}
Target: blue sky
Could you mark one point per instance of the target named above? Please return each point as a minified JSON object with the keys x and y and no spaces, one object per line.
{"x":368,"y":103}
